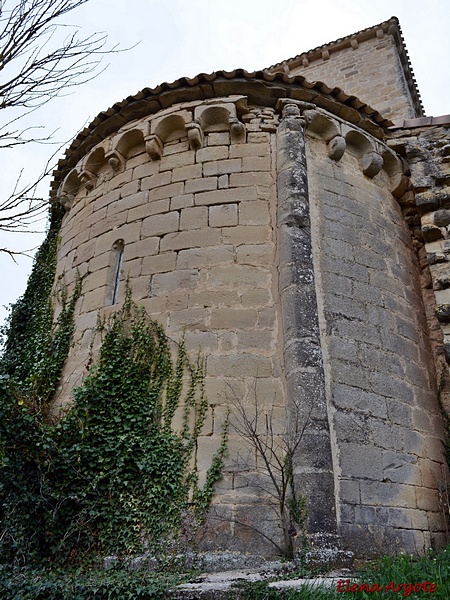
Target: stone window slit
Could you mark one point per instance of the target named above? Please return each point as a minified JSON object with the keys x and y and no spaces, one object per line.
{"x":118,"y":249}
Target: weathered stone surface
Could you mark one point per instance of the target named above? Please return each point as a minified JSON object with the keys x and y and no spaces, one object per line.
{"x":302,"y":343}
{"x":294,"y":271}
{"x":190,"y":239}
{"x":194,"y":218}
{"x":223,"y":215}
{"x":160,"y":224}
{"x":171,"y":282}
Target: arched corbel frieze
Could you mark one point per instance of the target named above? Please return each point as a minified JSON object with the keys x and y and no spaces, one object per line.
{"x":362,"y":147}
{"x":358,"y":144}
{"x":393,"y":166}
{"x":171,"y":127}
{"x":126,"y":142}
{"x":237,"y":128}
{"x":95,"y":160}
{"x":320,"y":125}
{"x":340,"y":137}
{"x":215,"y":117}
{"x":337,"y":147}
{"x":221,"y":117}
{"x":154,"y":147}
{"x":116,"y":160}
{"x":195,"y":136}
{"x":88,"y":179}
{"x":69,"y":189}
{"x":371,"y":164}
{"x":167,"y":129}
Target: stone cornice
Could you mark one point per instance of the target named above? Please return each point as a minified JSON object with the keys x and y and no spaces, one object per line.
{"x":260,"y":88}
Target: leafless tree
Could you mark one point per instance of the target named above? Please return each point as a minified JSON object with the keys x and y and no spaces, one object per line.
{"x":41,"y":57}
{"x":255,"y":424}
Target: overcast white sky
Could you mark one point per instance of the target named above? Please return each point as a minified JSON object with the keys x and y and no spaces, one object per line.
{"x":179,"y":38}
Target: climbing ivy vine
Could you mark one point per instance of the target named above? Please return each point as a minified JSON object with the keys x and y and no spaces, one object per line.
{"x":117,"y":473}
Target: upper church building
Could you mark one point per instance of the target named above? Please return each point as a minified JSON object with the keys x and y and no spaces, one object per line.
{"x":372,"y":65}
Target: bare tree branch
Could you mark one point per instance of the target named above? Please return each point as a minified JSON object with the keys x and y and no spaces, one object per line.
{"x":21,"y":209}
{"x":254,"y":423}
{"x":41,"y":57}
{"x":27,"y":34}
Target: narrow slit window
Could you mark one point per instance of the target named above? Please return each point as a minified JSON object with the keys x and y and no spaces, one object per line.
{"x":118,"y":250}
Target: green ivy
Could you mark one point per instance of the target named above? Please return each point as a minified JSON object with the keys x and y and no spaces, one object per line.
{"x":31,"y":317}
{"x":114,"y":475}
{"x":136,"y":480}
{"x":83,"y":584}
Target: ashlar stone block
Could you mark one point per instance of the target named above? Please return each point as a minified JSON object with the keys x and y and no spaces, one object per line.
{"x":174,"y":161}
{"x":190,"y":318}
{"x":256,"y":254}
{"x":166,"y":191}
{"x":185,"y":173}
{"x":205,"y":257}
{"x":148,"y":209}
{"x":223,"y":215}
{"x":194,"y":218}
{"x":159,"y":263}
{"x":171,"y":282}
{"x":93,"y":300}
{"x":254,"y":213}
{"x":198,"y":238}
{"x":226,"y":196}
{"x":245,"y":150}
{"x":229,"y":318}
{"x":361,"y":461}
{"x":222,"y":167}
{"x":256,"y":297}
{"x":239,"y":365}
{"x":256,"y":339}
{"x":260,"y":163}
{"x":203,"y":184}
{"x":259,"y":179}
{"x":160,"y":224}
{"x":155,"y":181}
{"x":238,"y":276}
{"x":247,"y":234}
{"x":210,"y":153}
{"x":222,"y":391}
{"x":183,"y":201}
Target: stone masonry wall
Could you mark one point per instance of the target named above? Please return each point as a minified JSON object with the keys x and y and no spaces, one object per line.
{"x":427,"y":150}
{"x":199,"y":237}
{"x":298,"y":282}
{"x":371,"y":71}
{"x":387,"y":429}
